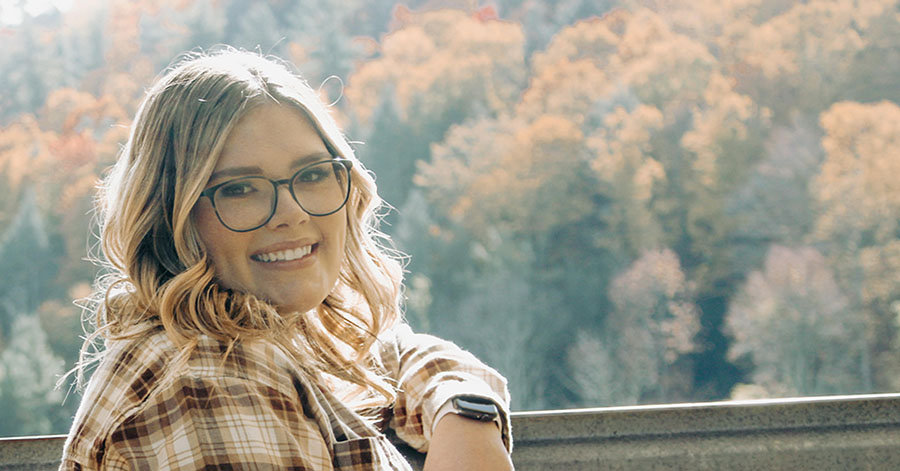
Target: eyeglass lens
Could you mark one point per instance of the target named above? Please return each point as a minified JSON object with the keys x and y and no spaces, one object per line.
{"x":248,"y":203}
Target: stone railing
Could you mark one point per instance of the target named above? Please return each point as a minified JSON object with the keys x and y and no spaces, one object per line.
{"x":822,"y":434}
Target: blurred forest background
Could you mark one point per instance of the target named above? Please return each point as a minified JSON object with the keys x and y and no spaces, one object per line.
{"x":612,"y":202}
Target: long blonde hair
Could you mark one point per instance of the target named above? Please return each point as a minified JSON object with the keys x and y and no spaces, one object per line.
{"x":157,"y":270}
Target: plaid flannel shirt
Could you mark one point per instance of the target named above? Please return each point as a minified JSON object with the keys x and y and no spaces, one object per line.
{"x":257,"y":411}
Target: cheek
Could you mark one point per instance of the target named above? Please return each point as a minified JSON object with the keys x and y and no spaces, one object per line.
{"x":205,"y":222}
{"x":217,"y":241}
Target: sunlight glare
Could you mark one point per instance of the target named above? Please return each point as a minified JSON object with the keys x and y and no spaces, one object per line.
{"x":12,"y":13}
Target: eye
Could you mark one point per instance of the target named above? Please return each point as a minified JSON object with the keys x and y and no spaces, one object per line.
{"x":313,"y":175}
{"x":237,"y":189}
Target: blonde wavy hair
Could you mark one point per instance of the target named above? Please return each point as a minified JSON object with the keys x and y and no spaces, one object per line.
{"x":157,"y":271}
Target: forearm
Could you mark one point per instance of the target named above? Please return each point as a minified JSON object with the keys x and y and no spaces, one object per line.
{"x":459,"y":443}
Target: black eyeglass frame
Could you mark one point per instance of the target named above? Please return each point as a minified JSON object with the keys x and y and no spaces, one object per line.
{"x":211,"y":191}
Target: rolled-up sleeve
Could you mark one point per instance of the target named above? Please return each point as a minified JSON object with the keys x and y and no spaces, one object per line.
{"x":429,"y":372}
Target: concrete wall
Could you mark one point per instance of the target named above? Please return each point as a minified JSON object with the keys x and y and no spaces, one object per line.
{"x":822,"y":434}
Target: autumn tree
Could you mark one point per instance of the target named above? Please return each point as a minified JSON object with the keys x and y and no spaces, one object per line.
{"x":814,"y":53}
{"x":775,"y":204}
{"x":651,"y":327}
{"x":629,"y":177}
{"x":502,"y":195}
{"x":437,"y":60}
{"x":523,"y":175}
{"x":541,"y":21}
{"x":434,"y":70}
{"x":793,"y":322}
{"x":538,"y":153}
{"x":723,"y":145}
{"x":522,"y":178}
{"x":859,"y":219}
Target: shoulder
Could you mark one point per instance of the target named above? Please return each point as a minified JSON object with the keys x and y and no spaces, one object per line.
{"x":132,"y":370}
{"x":125,"y":376}
{"x":138,"y":378}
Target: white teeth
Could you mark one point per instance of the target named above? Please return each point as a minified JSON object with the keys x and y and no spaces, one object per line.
{"x":284,"y":255}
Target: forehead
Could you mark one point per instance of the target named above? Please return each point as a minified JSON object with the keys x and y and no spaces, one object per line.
{"x":270,"y":136}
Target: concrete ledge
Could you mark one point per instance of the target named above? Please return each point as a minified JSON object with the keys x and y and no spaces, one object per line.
{"x":827,"y":433}
{"x":821,"y":434}
{"x":31,"y":453}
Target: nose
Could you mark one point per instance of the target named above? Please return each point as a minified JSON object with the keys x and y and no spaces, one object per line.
{"x":287,"y":211}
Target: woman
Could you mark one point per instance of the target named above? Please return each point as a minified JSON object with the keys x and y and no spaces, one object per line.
{"x":249,"y":317}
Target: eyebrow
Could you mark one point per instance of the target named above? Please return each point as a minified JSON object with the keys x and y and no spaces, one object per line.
{"x":253,"y":169}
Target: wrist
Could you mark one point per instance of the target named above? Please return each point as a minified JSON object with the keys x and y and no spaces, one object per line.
{"x":474,"y":408}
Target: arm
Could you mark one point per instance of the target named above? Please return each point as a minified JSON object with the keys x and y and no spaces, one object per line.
{"x":197,"y":423}
{"x":430,"y":372}
{"x":461,"y":443}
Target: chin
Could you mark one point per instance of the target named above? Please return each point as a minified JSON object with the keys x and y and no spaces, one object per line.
{"x":286,"y":307}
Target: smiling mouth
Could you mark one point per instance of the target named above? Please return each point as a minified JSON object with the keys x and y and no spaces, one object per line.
{"x":284,"y":255}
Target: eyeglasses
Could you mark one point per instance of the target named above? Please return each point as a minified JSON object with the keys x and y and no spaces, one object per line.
{"x":248,"y":203}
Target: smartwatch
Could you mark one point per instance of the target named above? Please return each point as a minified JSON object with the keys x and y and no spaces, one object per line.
{"x":475,"y":407}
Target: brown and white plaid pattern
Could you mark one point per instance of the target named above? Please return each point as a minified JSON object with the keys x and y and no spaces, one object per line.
{"x":257,"y":411}
{"x":430,"y":372}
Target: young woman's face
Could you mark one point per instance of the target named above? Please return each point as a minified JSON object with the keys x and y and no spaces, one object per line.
{"x":292,"y":261}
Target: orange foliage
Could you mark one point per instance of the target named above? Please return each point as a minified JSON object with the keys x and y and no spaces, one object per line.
{"x":814,"y":52}
{"x":486,"y":13}
{"x":622,"y":151}
{"x":595,"y":39}
{"x":859,"y":198}
{"x":824,"y":34}
{"x":629,"y":176}
{"x":569,"y":76}
{"x":87,"y":133}
{"x":122,"y":90}
{"x":881,"y":274}
{"x":23,"y":150}
{"x":73,"y":149}
{"x":723,"y":117}
{"x":439,"y":59}
{"x":523,"y":177}
{"x":68,"y":110}
{"x":566,"y":88}
{"x":664,"y":68}
{"x":627,"y":52}
{"x":124,"y":30}
{"x":859,"y":195}
{"x":858,"y":186}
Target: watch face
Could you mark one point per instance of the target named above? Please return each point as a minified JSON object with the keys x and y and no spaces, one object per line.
{"x":476,"y":408}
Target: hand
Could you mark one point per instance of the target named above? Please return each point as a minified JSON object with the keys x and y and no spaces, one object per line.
{"x":462,"y":444}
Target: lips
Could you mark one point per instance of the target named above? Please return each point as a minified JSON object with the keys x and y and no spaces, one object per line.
{"x":284,"y":255}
